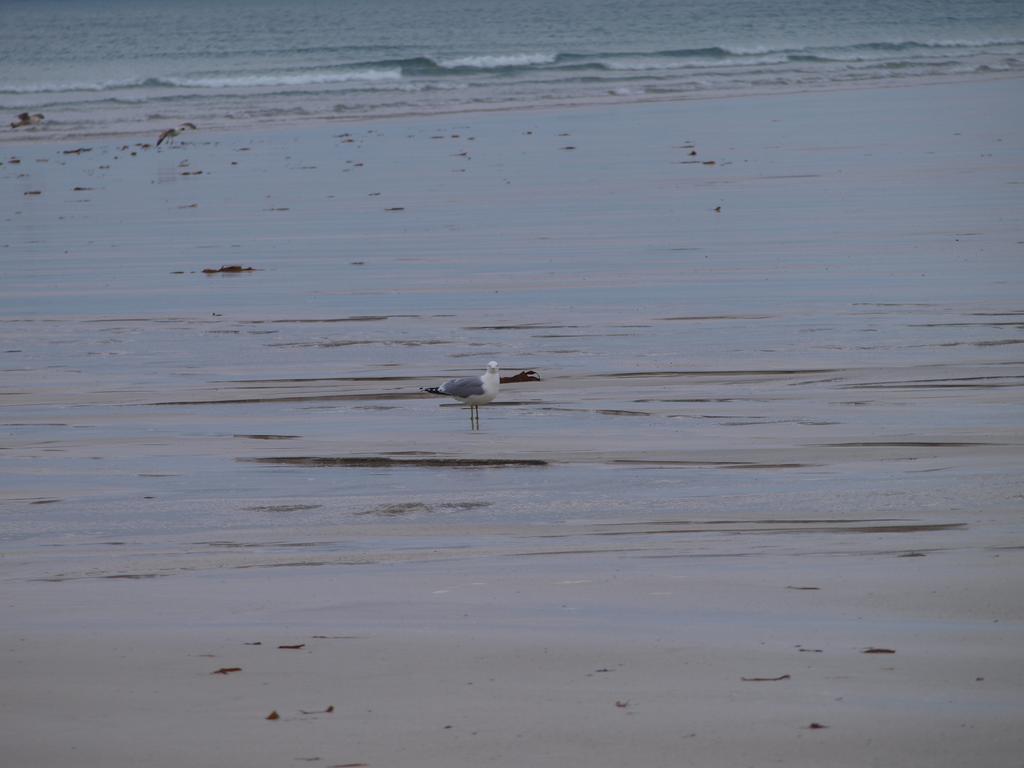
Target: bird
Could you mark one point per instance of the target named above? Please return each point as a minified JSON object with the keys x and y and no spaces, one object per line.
{"x":26,"y":119}
{"x":170,"y":133}
{"x":474,"y":391}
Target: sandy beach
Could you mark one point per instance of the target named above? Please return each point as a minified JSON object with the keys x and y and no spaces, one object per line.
{"x":763,"y":507}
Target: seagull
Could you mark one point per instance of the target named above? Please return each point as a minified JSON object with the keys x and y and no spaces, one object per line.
{"x":474,"y":391}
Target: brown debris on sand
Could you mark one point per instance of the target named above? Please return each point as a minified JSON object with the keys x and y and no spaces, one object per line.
{"x":226,"y":670}
{"x":764,"y":679}
{"x":25,"y":119}
{"x":228,"y":269}
{"x":521,"y":377}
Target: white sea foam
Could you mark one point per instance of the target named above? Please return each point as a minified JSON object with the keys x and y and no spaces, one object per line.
{"x":645,"y":64}
{"x":499,"y":60}
{"x":298,"y":79}
{"x":100,"y":85}
{"x":972,"y":43}
{"x":311,"y":77}
{"x":751,"y":50}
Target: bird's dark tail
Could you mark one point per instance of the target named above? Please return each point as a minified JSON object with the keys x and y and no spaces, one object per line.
{"x":432,"y":390}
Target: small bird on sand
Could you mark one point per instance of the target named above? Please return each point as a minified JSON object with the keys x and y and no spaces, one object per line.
{"x":170,"y":133}
{"x":26,"y":119}
{"x":474,"y":391}
{"x":167,"y":135}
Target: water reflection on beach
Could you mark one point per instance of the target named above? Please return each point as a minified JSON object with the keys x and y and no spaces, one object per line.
{"x":766,"y":333}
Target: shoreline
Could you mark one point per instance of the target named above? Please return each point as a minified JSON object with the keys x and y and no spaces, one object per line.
{"x":311,"y":122}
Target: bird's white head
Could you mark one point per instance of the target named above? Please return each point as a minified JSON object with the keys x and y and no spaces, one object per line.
{"x":492,"y":367}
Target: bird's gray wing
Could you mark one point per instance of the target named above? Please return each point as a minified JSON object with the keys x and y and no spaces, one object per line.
{"x":467,"y":387}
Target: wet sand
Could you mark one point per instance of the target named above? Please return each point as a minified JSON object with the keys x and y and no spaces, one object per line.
{"x":779,"y":425}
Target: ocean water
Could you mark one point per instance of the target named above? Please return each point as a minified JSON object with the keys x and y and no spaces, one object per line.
{"x":111,"y":66}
